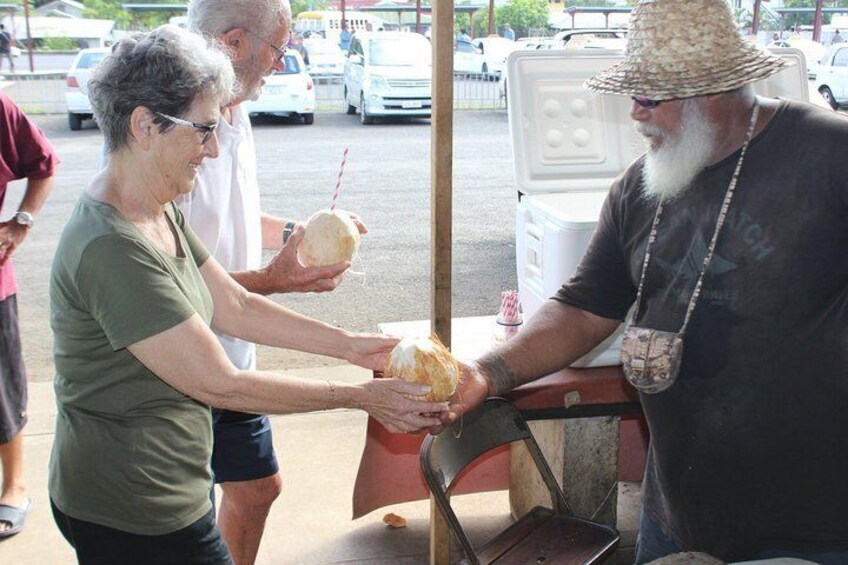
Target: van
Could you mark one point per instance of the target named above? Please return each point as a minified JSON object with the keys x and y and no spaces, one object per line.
{"x":388,"y":73}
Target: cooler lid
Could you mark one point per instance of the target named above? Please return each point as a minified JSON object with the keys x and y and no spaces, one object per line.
{"x":566,"y":138}
{"x":568,"y":210}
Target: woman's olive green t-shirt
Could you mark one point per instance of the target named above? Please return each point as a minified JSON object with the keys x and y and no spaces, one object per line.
{"x":131,"y":452}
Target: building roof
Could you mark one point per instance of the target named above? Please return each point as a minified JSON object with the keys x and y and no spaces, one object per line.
{"x":69,"y":3}
{"x":150,"y":7}
{"x":41,"y":27}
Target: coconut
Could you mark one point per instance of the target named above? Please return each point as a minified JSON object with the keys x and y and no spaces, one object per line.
{"x":331,"y":237}
{"x":425,"y":360}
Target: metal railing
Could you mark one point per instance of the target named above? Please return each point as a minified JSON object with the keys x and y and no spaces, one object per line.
{"x":44,"y":92}
{"x":36,"y":93}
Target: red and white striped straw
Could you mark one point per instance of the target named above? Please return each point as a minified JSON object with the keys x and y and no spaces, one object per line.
{"x":339,"y":180}
{"x":509,"y":307}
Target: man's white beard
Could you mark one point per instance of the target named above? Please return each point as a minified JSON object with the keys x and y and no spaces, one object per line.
{"x":670,"y":169}
{"x":249,"y":80}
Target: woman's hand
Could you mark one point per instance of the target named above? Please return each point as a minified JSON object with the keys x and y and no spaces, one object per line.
{"x":400,"y":405}
{"x":370,"y":350}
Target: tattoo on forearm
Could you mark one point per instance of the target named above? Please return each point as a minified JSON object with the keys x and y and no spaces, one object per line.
{"x":501,"y":378}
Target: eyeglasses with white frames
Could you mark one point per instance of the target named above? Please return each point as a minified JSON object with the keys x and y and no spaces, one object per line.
{"x":206,"y":129}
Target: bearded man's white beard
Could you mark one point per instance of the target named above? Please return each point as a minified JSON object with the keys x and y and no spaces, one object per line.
{"x":670,"y":169}
{"x":249,"y":84}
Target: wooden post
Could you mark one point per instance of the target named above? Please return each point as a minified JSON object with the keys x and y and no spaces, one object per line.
{"x":439,"y":536}
{"x":441,"y":170}
{"x":441,"y":211}
{"x":491,"y":17}
{"x":817,"y":25}
{"x":29,"y":37}
{"x":755,"y":20}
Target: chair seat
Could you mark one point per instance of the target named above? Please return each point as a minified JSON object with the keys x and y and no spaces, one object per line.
{"x":542,"y":536}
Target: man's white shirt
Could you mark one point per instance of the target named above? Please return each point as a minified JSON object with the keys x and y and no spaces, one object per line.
{"x":224,"y":212}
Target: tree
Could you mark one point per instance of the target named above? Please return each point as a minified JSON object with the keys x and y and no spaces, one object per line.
{"x":523,"y":14}
{"x":299,"y":6}
{"x":107,"y":10}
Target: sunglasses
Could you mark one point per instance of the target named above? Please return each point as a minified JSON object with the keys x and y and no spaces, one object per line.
{"x":646,"y":102}
{"x":205,"y":129}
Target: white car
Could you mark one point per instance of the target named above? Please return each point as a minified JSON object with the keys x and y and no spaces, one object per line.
{"x":290,"y":92}
{"x":325,"y":57}
{"x":468,"y":59}
{"x":388,"y":73}
{"x":831,"y":76}
{"x":495,"y":50}
{"x":576,"y":39}
{"x":76,"y":89}
{"x":592,"y":38}
{"x":813,"y":50}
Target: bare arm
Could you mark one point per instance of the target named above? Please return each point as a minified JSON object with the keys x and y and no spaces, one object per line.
{"x":12,"y":234}
{"x":555,"y":337}
{"x":189,"y":358}
{"x":285,"y":273}
{"x":252,"y":317}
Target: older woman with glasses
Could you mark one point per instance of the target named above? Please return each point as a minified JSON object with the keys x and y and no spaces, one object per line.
{"x":135,"y":299}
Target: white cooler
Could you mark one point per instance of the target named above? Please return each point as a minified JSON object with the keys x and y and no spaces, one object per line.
{"x":569,"y":145}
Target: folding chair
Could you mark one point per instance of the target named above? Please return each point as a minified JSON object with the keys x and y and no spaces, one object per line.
{"x":543,"y":535}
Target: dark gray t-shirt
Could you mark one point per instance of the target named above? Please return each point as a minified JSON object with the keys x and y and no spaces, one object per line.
{"x":749,"y":449}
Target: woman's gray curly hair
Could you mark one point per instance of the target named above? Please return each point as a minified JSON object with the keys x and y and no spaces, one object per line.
{"x":166,"y":71}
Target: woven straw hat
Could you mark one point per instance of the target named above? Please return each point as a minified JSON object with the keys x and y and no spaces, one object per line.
{"x":679,"y":49}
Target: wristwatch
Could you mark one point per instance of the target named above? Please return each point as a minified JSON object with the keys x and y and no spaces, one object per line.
{"x":23,"y":218}
{"x":287,"y":231}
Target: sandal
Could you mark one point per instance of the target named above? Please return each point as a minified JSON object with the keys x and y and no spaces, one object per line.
{"x":15,"y":517}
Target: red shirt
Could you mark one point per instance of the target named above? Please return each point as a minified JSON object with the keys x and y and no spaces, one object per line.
{"x":24,"y":153}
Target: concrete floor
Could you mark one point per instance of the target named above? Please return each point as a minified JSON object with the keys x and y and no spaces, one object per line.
{"x":311,"y":522}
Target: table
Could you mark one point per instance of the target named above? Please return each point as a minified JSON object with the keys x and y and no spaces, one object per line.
{"x":586,"y":421}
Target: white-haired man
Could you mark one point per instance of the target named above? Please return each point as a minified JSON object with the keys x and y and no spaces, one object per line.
{"x":225,"y":213}
{"x":731,"y":237}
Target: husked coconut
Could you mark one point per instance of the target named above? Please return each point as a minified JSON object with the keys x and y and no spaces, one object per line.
{"x":331,"y":237}
{"x":425,"y":360}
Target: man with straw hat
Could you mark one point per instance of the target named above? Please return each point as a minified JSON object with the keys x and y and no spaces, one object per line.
{"x":728,"y":241}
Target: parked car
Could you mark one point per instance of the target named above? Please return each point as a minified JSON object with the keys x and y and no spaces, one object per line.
{"x":831,"y":76}
{"x":76,"y":84}
{"x":495,"y":50}
{"x":531,"y":43}
{"x":325,"y":57}
{"x":388,"y":73}
{"x":591,"y":38}
{"x":290,"y":92}
{"x":467,"y":59}
{"x":813,"y":50}
{"x":576,"y":39}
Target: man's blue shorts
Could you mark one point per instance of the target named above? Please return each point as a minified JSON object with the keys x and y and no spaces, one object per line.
{"x":243,"y":448}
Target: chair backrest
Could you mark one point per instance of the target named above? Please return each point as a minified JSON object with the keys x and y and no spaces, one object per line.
{"x":443,"y":457}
